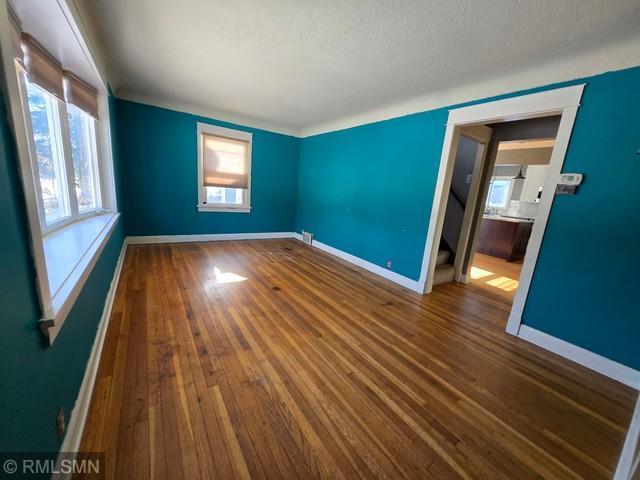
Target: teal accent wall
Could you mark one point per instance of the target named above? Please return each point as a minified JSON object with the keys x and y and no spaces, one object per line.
{"x":160,"y":176}
{"x":586,"y":285}
{"x":368,"y":191}
{"x":36,"y":380}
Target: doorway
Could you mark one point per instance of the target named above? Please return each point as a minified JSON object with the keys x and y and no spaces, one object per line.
{"x":561,"y":105}
{"x":509,"y":207}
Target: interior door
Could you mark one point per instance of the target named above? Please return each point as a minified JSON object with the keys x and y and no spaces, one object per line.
{"x":481,"y":134}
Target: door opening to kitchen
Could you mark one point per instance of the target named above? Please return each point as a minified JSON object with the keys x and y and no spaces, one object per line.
{"x":510,"y":209}
{"x":513,"y":187}
{"x":503,"y":191}
{"x":497,"y":183}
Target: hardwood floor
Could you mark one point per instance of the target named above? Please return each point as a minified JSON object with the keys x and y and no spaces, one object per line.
{"x":270,"y":359}
{"x":495,"y":276}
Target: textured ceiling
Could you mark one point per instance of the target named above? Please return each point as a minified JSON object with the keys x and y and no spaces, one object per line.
{"x":299,"y":63}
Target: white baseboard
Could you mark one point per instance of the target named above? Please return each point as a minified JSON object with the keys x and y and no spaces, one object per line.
{"x":206,"y":237}
{"x":628,"y":462}
{"x":217,"y":237}
{"x":372,"y":267}
{"x":581,"y":356}
{"x":75,"y":428}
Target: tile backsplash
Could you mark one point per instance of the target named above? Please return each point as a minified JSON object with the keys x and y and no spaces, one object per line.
{"x":522,"y":209}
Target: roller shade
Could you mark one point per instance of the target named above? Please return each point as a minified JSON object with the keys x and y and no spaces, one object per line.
{"x":80,"y":94}
{"x":42,"y":69}
{"x":225,"y":162}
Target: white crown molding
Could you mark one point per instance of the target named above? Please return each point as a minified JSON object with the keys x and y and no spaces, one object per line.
{"x":372,"y":267}
{"x":617,"y":56}
{"x":582,"y":356}
{"x":213,"y":114}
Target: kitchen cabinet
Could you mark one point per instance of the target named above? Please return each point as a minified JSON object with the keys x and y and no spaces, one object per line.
{"x":504,"y":237}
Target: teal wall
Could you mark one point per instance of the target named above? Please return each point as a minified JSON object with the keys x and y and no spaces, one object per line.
{"x":586,"y":285}
{"x":36,"y":380}
{"x":368,"y":190}
{"x":160,"y":176}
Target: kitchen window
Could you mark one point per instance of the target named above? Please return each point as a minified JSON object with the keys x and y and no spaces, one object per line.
{"x":500,"y":190}
{"x":224,"y":169}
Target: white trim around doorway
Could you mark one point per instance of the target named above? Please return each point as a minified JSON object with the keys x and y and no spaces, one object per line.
{"x":562,"y":101}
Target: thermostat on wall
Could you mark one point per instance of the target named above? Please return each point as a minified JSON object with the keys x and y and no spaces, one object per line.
{"x":570,"y":179}
{"x":568,"y":183}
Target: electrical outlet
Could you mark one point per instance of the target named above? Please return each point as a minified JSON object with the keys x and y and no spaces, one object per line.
{"x":469,"y":179}
{"x":389,"y":264}
{"x":60,"y":423}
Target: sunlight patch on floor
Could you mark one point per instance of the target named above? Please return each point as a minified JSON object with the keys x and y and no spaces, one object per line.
{"x":503,"y":283}
{"x":477,"y":273}
{"x":227,"y":277}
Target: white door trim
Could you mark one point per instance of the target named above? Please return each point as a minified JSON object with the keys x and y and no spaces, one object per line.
{"x":562,"y":101}
{"x":628,"y":462}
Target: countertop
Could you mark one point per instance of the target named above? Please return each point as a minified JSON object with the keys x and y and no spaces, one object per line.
{"x":507,"y":219}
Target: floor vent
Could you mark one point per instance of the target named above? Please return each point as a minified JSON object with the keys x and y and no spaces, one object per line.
{"x":307,"y":237}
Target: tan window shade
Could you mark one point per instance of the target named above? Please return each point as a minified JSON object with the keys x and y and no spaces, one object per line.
{"x":80,"y":94}
{"x":42,"y":68}
{"x":225,"y":162}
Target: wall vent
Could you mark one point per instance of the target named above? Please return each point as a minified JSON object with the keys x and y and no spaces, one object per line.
{"x":307,"y":237}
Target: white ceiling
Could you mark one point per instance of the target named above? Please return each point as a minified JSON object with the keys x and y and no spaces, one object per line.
{"x":300,"y":64}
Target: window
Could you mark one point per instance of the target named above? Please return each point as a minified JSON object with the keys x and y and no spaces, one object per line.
{"x":224,"y":169}
{"x":47,"y":143}
{"x":64,"y":155}
{"x":64,"y":150}
{"x":82,"y":133}
{"x":226,"y":196}
{"x":499,"y":192}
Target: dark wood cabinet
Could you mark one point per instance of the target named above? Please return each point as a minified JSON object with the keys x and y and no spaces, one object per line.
{"x":506,"y":238}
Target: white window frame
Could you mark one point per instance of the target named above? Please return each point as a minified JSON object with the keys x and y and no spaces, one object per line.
{"x":63,"y":138}
{"x":203,"y":206}
{"x":55,"y":306}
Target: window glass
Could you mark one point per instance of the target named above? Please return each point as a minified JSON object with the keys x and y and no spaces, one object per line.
{"x":43,"y":110}
{"x":231,"y":196}
{"x":499,"y":193}
{"x":83,"y":154}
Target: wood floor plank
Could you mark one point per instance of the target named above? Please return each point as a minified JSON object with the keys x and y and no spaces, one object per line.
{"x":270,"y":359}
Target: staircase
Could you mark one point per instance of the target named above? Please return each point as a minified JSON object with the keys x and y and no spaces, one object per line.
{"x":444,"y":272}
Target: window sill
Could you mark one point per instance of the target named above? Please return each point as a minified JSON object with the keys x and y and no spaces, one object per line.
{"x":70,"y":254}
{"x":217,"y":208}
